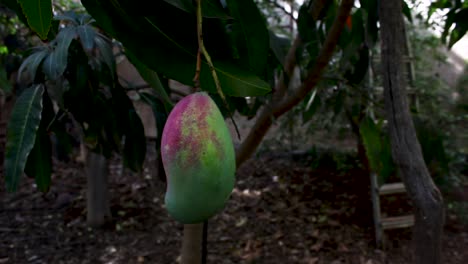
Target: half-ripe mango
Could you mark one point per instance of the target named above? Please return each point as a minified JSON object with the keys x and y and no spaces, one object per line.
{"x":198,"y":157}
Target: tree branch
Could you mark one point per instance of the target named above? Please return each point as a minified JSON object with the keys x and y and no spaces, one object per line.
{"x":275,"y":109}
{"x":315,"y":74}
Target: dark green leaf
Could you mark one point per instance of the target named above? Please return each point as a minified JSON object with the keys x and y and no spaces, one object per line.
{"x":39,"y":15}
{"x":55,"y":64}
{"x":234,"y":81}
{"x":87,"y":35}
{"x":371,"y":138}
{"x":407,"y":11}
{"x":64,"y":39}
{"x":105,"y":51}
{"x":69,"y":16}
{"x":210,"y":8}
{"x":32,"y":62}
{"x":253,"y":32}
{"x":21,"y":133}
{"x":39,"y":163}
{"x":185,"y":5}
{"x":213,"y":9}
{"x":172,"y":56}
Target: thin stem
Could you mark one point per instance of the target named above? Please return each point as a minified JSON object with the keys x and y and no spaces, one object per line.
{"x":207,"y":56}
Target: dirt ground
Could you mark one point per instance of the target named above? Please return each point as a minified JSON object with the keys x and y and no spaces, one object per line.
{"x":281,"y":211}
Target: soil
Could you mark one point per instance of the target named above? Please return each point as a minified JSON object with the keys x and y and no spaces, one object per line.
{"x":282,"y":210}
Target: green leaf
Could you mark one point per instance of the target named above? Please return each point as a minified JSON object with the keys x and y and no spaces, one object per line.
{"x":254,"y":33}
{"x":213,"y":9}
{"x":371,"y":138}
{"x":312,"y":106}
{"x":39,"y":15}
{"x":64,"y":38}
{"x":21,"y":133}
{"x":55,"y":64}
{"x":135,"y":143}
{"x":32,"y":62}
{"x":105,"y":51}
{"x":170,"y":49}
{"x":185,"y":5}
{"x":87,"y":35}
{"x":210,"y":8}
{"x":152,"y":78}
{"x":406,"y":11}
{"x":234,"y":81}
{"x":39,"y":163}
{"x":68,"y":16}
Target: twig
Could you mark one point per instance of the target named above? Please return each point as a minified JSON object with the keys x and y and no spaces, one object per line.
{"x":207,"y":56}
{"x":196,"y":79}
{"x":282,"y":8}
{"x":324,"y":57}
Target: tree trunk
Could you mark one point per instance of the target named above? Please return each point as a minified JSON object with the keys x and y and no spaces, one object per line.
{"x":406,"y":150}
{"x":98,"y":210}
{"x":192,"y":244}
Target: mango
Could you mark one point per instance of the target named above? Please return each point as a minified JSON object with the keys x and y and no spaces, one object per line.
{"x":198,"y":157}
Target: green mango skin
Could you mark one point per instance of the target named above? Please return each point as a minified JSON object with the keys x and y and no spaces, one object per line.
{"x":199,"y":160}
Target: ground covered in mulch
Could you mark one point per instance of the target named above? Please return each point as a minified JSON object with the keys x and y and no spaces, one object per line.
{"x":283,"y":210}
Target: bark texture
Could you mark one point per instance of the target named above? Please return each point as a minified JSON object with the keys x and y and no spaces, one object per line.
{"x":98,"y":210}
{"x":406,"y":150}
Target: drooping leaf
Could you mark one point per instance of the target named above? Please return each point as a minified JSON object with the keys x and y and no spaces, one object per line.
{"x":39,"y":15}
{"x":32,"y":62}
{"x":105,"y":51}
{"x":64,"y":38}
{"x":87,"y":35}
{"x":55,"y":64}
{"x":253,"y":32}
{"x":39,"y":162}
{"x":21,"y":133}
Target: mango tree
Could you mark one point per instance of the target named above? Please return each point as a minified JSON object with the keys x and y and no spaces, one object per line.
{"x":164,"y":37}
{"x":76,"y":72}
